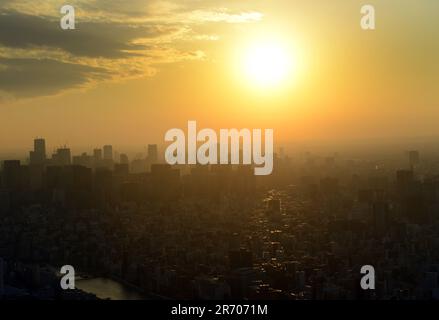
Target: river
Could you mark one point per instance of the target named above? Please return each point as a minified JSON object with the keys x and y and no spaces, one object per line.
{"x":105,"y":288}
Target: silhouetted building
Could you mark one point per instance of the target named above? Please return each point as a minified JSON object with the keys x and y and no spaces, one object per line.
{"x":121,"y":169}
{"x":97,"y":154}
{"x":108,"y":152}
{"x":62,"y":157}
{"x":139,"y":166}
{"x":123,"y":159}
{"x":152,"y":153}
{"x":12,"y":174}
{"x":38,"y":155}
{"x":83,"y":160}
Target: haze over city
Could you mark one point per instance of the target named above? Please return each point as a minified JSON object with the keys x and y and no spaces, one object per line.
{"x":128,"y":73}
{"x":199,"y":150}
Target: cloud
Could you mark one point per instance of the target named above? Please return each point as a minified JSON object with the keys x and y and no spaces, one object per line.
{"x":115,"y":40}
{"x":223,"y":15}
{"x":38,"y":77}
{"x":34,"y":52}
{"x":92,"y":39}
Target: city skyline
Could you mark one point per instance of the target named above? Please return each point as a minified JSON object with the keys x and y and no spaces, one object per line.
{"x":305,"y":232}
{"x":237,"y":151}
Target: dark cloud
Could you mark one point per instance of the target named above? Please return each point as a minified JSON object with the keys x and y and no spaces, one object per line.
{"x":90,"y":39}
{"x":37,"y":57}
{"x":23,"y":75}
{"x":38,"y":77}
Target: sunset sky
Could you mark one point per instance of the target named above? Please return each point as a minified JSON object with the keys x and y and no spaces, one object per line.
{"x":134,"y":69}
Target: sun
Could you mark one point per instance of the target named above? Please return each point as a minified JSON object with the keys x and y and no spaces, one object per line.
{"x":268,"y":64}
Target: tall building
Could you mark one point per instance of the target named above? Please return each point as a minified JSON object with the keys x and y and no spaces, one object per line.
{"x":108,"y":152}
{"x":12,"y":174}
{"x":153,"y":154}
{"x":38,"y":155}
{"x":97,"y":158}
{"x":40,"y":147}
{"x":124,"y":159}
{"x":83,"y":160}
{"x":121,"y":169}
{"x":97,"y":154}
{"x":62,"y":157}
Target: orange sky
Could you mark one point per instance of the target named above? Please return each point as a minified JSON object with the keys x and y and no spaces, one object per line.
{"x":129,"y":73}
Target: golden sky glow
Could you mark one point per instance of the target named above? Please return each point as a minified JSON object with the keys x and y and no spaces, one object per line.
{"x":134,"y":69}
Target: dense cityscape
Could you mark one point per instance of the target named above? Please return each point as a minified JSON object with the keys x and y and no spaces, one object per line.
{"x":219,"y":232}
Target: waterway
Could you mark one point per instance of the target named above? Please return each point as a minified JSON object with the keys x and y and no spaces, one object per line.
{"x":105,"y":288}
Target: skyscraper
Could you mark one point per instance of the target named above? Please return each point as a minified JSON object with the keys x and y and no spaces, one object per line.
{"x":38,"y":155}
{"x":62,"y":157}
{"x":97,"y":154}
{"x":108,"y":152}
{"x":124,"y":158}
{"x":40,"y":147}
{"x":152,"y":153}
{"x":12,"y":174}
